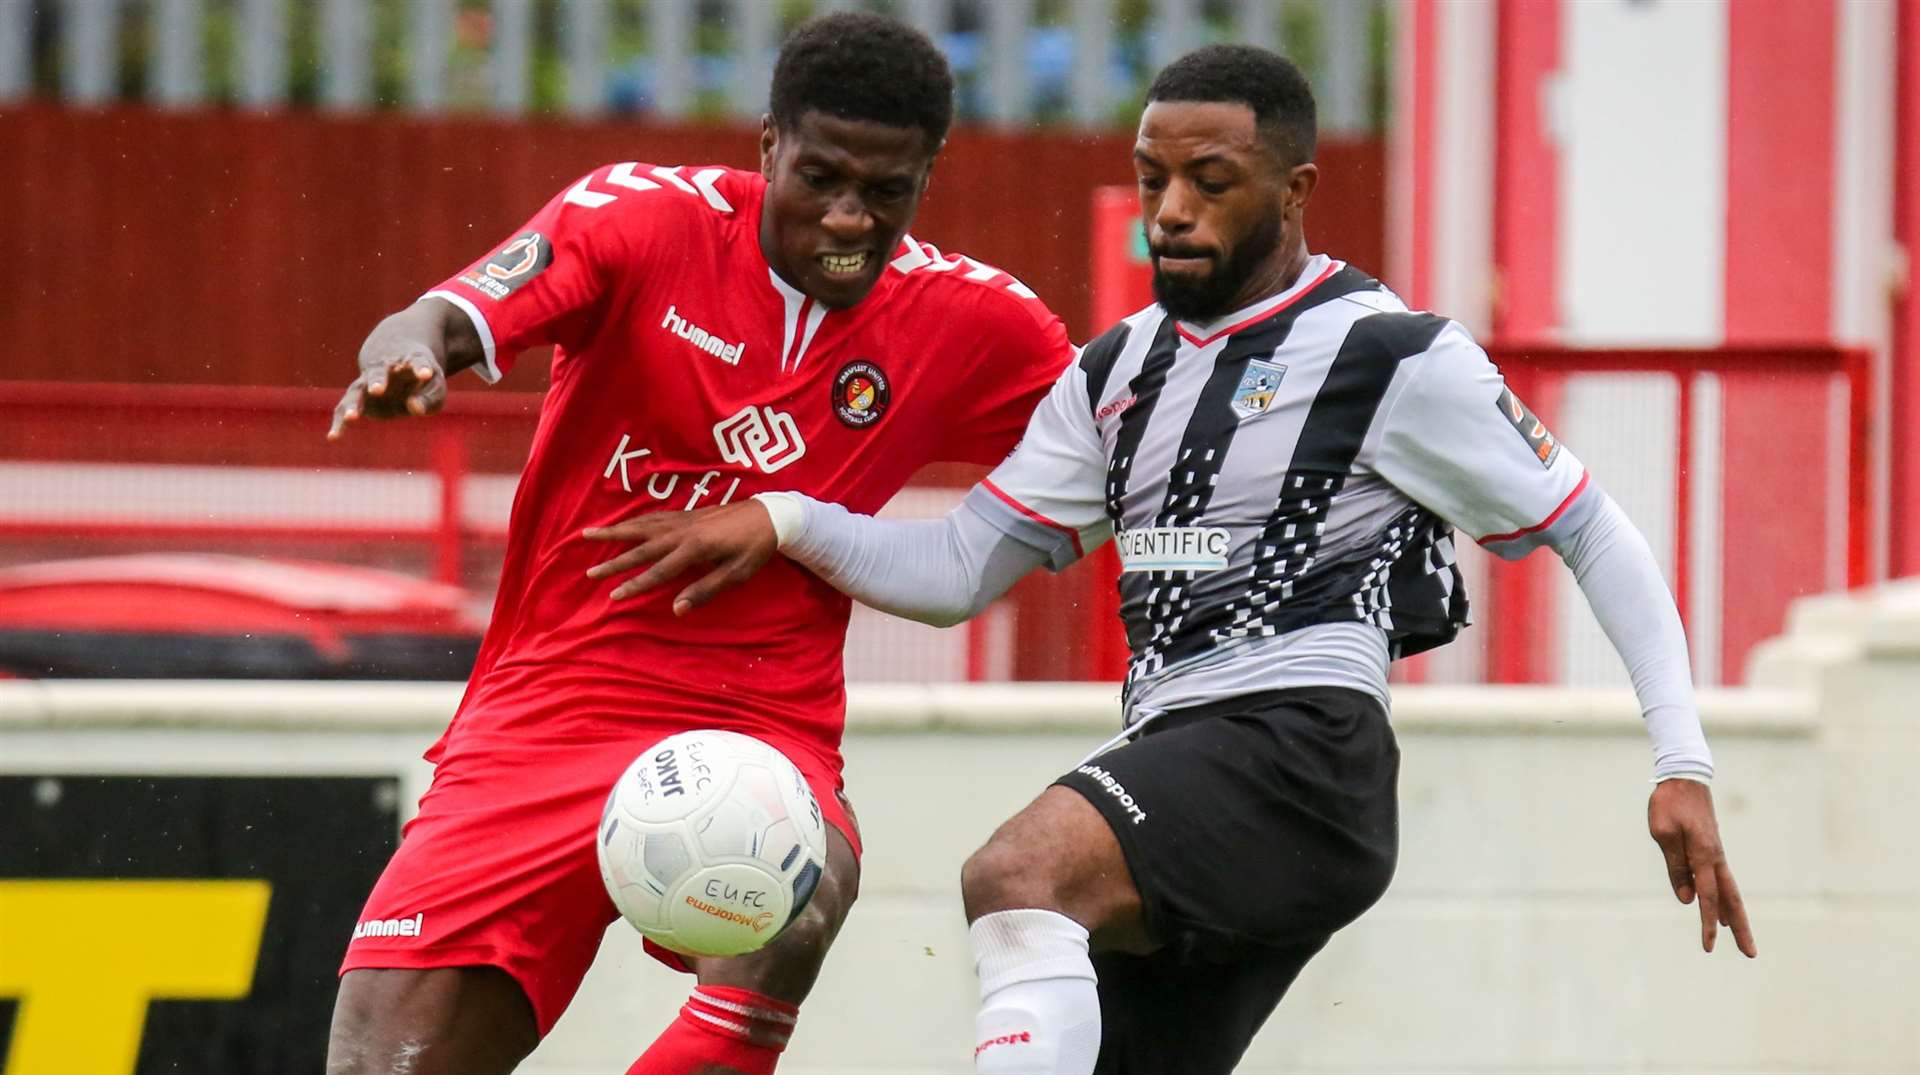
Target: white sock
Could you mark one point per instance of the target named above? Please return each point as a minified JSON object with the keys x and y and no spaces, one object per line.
{"x":1039,"y":1011}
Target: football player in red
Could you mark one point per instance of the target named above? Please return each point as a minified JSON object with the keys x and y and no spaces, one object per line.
{"x":717,"y":333}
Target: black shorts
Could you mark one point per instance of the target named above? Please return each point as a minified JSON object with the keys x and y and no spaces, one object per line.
{"x":1253,"y":828}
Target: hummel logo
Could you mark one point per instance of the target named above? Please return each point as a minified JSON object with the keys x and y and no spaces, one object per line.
{"x":702,"y":339}
{"x":389,"y":927}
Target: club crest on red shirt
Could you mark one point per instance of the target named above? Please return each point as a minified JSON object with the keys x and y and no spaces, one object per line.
{"x":860,"y":394}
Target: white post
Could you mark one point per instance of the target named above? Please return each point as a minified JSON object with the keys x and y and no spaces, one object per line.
{"x":263,"y":53}
{"x":1256,"y":22}
{"x":1346,"y":63}
{"x":91,"y":30}
{"x":1176,"y":30}
{"x":583,"y":30}
{"x":16,"y":64}
{"x":1009,"y":90}
{"x":427,"y":34}
{"x":930,"y":17}
{"x":1093,"y":93}
{"x":670,"y":27}
{"x":346,"y":47}
{"x":753,"y":52}
{"x":512,"y":49}
{"x":174,"y":75}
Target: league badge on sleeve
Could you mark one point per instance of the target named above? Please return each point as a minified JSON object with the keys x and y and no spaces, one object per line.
{"x":1257,"y":386}
{"x":860,"y":394}
{"x":1539,"y":440}
{"x":511,"y":266}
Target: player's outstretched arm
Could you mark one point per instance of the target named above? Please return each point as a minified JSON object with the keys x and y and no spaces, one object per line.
{"x":937,"y":571}
{"x":1621,"y":582}
{"x":1456,"y":439}
{"x":404,"y":364}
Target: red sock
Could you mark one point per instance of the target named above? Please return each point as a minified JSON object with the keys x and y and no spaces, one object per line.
{"x":732,"y":1028}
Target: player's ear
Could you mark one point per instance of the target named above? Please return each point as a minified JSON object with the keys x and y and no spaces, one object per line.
{"x":926,"y":173}
{"x":1302,"y":181}
{"x":769,"y":143}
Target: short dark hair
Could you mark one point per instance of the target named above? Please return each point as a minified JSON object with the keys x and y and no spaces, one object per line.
{"x":862,"y":66}
{"x":1264,"y":81}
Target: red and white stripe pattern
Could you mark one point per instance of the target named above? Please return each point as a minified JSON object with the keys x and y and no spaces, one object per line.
{"x":803,"y":315}
{"x":1656,"y":180}
{"x":743,"y":1014}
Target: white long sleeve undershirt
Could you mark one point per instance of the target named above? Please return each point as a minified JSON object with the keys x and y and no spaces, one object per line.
{"x":1621,"y":581}
{"x":937,"y":571}
{"x":944,"y":571}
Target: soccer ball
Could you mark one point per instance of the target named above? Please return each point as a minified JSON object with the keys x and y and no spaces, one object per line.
{"x":711,"y":843}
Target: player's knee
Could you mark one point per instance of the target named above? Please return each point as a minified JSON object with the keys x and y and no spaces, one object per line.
{"x":820,"y":921}
{"x":832,"y":900}
{"x":391,"y":1021}
{"x":786,"y":968}
{"x":1004,"y":875}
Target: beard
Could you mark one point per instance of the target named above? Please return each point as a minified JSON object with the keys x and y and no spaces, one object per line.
{"x":1203,"y":298}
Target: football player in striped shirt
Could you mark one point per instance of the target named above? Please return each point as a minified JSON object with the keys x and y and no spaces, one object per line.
{"x":1282,"y":452}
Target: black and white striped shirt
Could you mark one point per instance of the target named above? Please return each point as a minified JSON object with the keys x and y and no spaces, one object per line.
{"x":1283,"y":485}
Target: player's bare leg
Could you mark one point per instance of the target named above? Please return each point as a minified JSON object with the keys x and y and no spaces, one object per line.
{"x":1059,"y":854}
{"x":445,"y":1021}
{"x":744,"y":1008}
{"x":1049,"y":884}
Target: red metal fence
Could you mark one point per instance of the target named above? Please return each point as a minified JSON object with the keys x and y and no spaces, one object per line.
{"x":1827,"y":526}
{"x":96,"y":467}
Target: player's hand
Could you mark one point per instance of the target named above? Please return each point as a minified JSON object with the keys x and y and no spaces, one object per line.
{"x":1680,"y":817}
{"x":736,"y":540}
{"x":392,"y":382}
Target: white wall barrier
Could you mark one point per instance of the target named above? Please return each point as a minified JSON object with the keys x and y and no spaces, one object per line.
{"x":1529,"y":929}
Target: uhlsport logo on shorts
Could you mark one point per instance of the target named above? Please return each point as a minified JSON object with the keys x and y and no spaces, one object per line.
{"x":390,"y":927}
{"x":1116,"y":789}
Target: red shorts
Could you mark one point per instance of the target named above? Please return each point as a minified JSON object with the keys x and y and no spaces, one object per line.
{"x":498,"y":868}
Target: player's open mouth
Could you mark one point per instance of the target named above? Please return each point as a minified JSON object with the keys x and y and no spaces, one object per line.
{"x":844,"y":264}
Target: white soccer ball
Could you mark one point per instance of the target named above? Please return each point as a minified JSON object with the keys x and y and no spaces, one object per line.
{"x":711,"y":843}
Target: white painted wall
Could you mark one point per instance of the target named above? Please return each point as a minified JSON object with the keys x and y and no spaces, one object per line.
{"x":1641,"y":121}
{"x":1462,"y":196}
{"x":1640,"y":117}
{"x":1866,"y":259}
{"x":1529,"y":928}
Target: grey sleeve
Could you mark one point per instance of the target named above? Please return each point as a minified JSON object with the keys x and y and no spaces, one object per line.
{"x":1621,"y":582}
{"x":936,"y":571}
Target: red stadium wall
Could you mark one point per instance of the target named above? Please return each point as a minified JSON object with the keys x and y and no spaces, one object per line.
{"x":220,"y":248}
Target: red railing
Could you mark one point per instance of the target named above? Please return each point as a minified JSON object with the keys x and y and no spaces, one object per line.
{"x":1064,"y":628}
{"x":481,"y":437}
{"x":273,"y":427}
{"x":1538,"y":372}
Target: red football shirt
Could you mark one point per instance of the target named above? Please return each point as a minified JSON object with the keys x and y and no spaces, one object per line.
{"x":686,"y":374}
